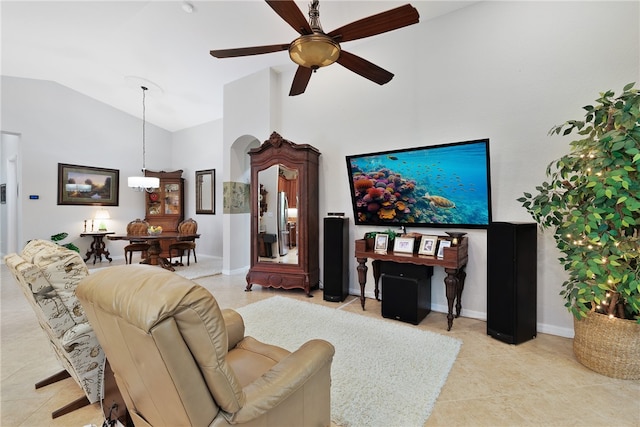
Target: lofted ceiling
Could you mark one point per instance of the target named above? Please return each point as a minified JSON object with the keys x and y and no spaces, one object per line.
{"x":107,"y":49}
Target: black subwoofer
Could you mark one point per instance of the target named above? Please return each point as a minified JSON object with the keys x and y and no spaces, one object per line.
{"x":406,"y":291}
{"x":336,"y":258}
{"x":511,"y":281}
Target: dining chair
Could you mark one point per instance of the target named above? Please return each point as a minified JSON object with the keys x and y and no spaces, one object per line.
{"x":138,"y":227}
{"x":186,"y":227}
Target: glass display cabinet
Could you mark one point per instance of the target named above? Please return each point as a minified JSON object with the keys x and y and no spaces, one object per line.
{"x":165,"y":205}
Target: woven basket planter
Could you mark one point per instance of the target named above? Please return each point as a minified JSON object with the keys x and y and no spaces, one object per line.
{"x":607,"y":346}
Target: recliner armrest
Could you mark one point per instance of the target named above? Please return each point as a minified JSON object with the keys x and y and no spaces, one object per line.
{"x":287,"y":376}
{"x":235,"y":326}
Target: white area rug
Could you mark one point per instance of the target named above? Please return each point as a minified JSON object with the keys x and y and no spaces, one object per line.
{"x":383,"y":373}
{"x":206,"y":266}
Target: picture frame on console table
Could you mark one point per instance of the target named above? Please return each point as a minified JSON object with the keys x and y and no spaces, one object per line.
{"x":403,"y":245}
{"x":443,"y":243}
{"x":428,"y":245}
{"x":381,"y":243}
{"x":87,"y":185}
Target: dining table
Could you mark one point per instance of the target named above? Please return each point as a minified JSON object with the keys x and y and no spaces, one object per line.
{"x":153,"y":254}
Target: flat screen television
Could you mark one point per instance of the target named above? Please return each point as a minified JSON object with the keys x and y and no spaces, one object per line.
{"x":446,"y":185}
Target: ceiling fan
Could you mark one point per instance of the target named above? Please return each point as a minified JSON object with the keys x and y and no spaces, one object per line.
{"x":314,"y":48}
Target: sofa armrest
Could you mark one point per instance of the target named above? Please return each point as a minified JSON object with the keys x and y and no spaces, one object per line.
{"x":235,"y":326}
{"x":281,"y":381}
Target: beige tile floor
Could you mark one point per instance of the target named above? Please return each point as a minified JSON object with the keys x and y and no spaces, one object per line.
{"x":537,"y":383}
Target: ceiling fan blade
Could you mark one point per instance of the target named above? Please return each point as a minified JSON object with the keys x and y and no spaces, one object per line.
{"x":246,"y":51}
{"x":376,"y":24}
{"x":300,"y":80}
{"x":289,"y":11}
{"x":365,"y":68}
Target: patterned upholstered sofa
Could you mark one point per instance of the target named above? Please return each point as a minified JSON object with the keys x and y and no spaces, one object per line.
{"x":48,"y":275}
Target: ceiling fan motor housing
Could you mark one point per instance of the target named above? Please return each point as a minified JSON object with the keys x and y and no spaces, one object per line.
{"x":314,"y":50}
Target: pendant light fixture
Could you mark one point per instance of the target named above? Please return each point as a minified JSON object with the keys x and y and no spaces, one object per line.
{"x":143,"y":183}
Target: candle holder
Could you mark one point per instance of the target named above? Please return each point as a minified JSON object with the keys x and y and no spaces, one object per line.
{"x":455,"y":237}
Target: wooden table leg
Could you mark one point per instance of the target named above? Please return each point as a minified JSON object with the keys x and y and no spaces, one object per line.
{"x":89,"y":253}
{"x":376,"y":277}
{"x":452,"y":283}
{"x":154,"y":257}
{"x":362,"y":277}
{"x":462,"y":275}
{"x":102,"y":248}
{"x":97,"y":249}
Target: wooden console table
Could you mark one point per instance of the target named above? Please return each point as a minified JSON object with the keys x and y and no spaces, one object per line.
{"x":454,"y":261}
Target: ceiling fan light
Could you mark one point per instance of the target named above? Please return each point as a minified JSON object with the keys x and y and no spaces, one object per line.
{"x":314,"y":50}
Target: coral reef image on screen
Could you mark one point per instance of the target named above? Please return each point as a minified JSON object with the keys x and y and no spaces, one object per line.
{"x":442,"y":185}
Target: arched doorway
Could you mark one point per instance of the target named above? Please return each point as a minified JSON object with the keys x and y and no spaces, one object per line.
{"x":237,"y":207}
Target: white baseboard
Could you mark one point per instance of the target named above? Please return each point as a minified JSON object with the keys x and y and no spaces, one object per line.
{"x":241,"y":270}
{"x":555,"y":330}
{"x":479,"y":315}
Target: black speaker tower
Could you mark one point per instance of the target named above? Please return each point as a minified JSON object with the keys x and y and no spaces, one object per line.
{"x":336,"y":258}
{"x":511,"y":281}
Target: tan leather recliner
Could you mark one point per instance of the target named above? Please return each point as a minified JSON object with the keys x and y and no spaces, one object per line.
{"x":181,"y":361}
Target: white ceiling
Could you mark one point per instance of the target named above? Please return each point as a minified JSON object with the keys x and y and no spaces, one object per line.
{"x":107,"y":49}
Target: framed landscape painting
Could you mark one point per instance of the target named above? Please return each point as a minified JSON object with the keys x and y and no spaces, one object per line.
{"x":86,"y":185}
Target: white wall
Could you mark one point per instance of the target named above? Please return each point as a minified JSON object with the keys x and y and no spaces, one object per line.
{"x":194,"y":149}
{"x":58,"y":125}
{"x":503,"y":70}
{"x":248,"y":119}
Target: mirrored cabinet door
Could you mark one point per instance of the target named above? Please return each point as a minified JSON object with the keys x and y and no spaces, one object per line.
{"x":277,"y":219}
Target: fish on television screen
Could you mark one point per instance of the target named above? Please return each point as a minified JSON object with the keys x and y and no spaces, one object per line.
{"x":445,"y":185}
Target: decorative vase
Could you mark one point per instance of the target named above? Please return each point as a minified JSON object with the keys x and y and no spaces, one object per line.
{"x":608,"y":346}
{"x":455,"y":237}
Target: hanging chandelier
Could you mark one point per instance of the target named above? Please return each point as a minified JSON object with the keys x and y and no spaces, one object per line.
{"x":143,"y":183}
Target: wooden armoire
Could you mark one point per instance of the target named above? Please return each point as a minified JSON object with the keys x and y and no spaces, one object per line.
{"x":298,"y":266}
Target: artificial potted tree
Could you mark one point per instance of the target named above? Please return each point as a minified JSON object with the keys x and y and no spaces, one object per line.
{"x":591,"y":202}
